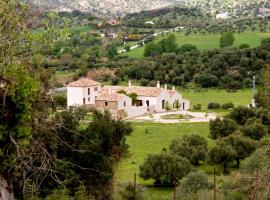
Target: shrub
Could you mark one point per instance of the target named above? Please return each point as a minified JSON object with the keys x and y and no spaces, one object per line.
{"x":144,"y":82}
{"x":222,"y":128}
{"x":127,"y":192}
{"x":207,"y":80}
{"x":197,"y":107}
{"x":194,"y":182}
{"x":255,"y":131}
{"x":213,"y":106}
{"x":60,"y":100}
{"x":115,"y":80}
{"x":176,"y":168}
{"x":192,"y":147}
{"x":227,"y":105}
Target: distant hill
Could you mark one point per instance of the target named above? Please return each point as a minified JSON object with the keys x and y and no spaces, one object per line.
{"x":122,"y":7}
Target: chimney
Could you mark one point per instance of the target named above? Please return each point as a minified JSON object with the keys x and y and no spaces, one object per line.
{"x":173,"y":88}
{"x":166,"y":87}
{"x":110,"y":91}
{"x":129,"y":83}
{"x":158,"y":84}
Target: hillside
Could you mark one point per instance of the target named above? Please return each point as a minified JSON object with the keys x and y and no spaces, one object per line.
{"x":121,"y":7}
{"x":103,"y":7}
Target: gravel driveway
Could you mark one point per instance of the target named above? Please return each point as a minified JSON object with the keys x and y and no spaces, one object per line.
{"x":196,"y":117}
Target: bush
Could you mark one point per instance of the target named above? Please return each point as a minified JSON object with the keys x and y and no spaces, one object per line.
{"x":227,"y":105}
{"x":154,"y":168}
{"x":207,"y":80}
{"x":194,"y":182}
{"x":255,"y":131}
{"x":192,"y":147}
{"x":213,"y":106}
{"x":60,"y":100}
{"x":144,"y":82}
{"x":197,"y":107}
{"x":222,"y":128}
{"x":127,"y":193}
{"x":115,"y":80}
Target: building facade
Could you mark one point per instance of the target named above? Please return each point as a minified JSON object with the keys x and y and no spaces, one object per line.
{"x":124,"y":101}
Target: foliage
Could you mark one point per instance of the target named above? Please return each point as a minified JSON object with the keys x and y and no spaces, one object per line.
{"x":111,"y":50}
{"x":255,"y":130}
{"x":127,"y":193}
{"x":192,"y":183}
{"x":134,"y":98}
{"x":259,"y":160}
{"x":115,"y":80}
{"x":227,"y":105}
{"x":197,"y":107}
{"x":207,"y":80}
{"x":213,"y":106}
{"x":192,"y":147}
{"x":222,"y":154}
{"x":243,"y":146}
{"x":226,"y":40}
{"x":60,"y":100}
{"x":165,"y":168}
{"x":221,"y":128}
{"x":241,"y":114}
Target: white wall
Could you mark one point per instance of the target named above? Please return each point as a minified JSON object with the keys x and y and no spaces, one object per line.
{"x":128,"y":106}
{"x":138,"y":111}
{"x":74,"y":96}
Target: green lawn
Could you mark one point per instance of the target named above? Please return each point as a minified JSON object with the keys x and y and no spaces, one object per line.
{"x":142,"y":142}
{"x":205,"y":96}
{"x":208,"y":41}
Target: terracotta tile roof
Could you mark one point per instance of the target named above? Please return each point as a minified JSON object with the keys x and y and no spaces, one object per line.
{"x":83,"y":82}
{"x":140,"y":91}
{"x":104,"y":96}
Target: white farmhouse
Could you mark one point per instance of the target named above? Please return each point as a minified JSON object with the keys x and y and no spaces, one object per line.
{"x":117,"y":99}
{"x":82,"y":92}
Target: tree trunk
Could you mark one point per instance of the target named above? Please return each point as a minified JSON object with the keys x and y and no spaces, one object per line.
{"x":6,"y":189}
{"x":238,"y":162}
{"x":225,"y":171}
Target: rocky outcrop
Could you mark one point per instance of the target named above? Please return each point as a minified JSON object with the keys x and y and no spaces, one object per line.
{"x":6,"y":189}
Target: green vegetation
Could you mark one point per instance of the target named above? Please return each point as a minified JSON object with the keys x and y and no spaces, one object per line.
{"x":205,"y":96}
{"x":208,"y":41}
{"x":151,"y":138}
{"x":176,"y":116}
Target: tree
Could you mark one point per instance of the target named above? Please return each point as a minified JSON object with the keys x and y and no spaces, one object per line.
{"x":207,"y":80}
{"x":241,"y":114}
{"x":152,"y":49}
{"x":255,"y":130}
{"x":221,"y":128}
{"x":167,"y":107}
{"x":154,"y":168}
{"x":243,"y":146}
{"x":177,"y":105}
{"x":222,"y":154}
{"x":192,"y":147}
{"x":111,"y":50}
{"x":263,"y":96}
{"x":169,"y":44}
{"x":226,"y":40}
{"x":187,"y":48}
{"x":192,"y":183}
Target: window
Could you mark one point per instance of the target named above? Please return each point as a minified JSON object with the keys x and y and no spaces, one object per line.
{"x":124,"y":104}
{"x":106,"y":103}
{"x":83,"y":101}
{"x":95,"y":97}
{"x":89,"y":99}
{"x":95,"y":89}
{"x":147,"y":103}
{"x":88,"y":91}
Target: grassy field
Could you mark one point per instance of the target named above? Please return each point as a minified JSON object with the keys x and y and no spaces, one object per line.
{"x":151,"y":138}
{"x":209,"y":41}
{"x":205,"y":96}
